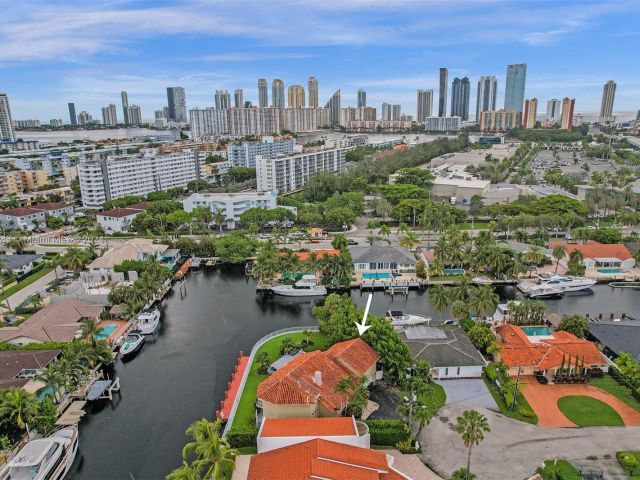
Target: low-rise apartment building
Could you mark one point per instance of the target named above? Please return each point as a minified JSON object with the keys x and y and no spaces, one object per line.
{"x":29,"y":218}
{"x":119,"y":219}
{"x":15,"y":182}
{"x":244,"y":154}
{"x":231,"y":205}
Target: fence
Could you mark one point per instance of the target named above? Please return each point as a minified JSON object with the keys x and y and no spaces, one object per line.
{"x":247,"y":371}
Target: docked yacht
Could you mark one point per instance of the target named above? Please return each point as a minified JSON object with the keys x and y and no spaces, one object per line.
{"x":45,"y":458}
{"x":305,"y":287}
{"x":148,"y":321}
{"x":401,"y":319}
{"x":132,"y":345}
{"x":556,"y":285}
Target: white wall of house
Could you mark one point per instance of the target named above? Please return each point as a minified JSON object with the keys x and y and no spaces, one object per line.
{"x":457,"y":372}
{"x":266,"y":444}
{"x":115,"y":224}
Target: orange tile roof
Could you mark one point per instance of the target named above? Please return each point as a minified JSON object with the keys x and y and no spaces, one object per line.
{"x":332,"y":252}
{"x":308,"y":427}
{"x":294,"y":383}
{"x":321,"y":459}
{"x":593,"y":249}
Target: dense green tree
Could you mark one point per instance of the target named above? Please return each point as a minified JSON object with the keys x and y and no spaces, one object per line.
{"x":420,"y":177}
{"x":234,"y":248}
{"x":575,"y":324}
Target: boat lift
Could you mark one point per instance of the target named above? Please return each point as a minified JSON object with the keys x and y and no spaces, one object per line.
{"x":103,"y":389}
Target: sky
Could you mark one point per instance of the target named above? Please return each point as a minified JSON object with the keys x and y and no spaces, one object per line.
{"x":54,"y":52}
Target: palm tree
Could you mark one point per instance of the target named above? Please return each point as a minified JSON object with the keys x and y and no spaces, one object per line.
{"x":357,"y":393}
{"x":100,"y":353}
{"x":89,"y":330}
{"x":185,"y":472}
{"x":312,"y":263}
{"x":559,"y":252}
{"x":472,"y":426}
{"x":52,"y":378}
{"x":463,"y":290}
{"x":436,"y":268}
{"x":484,"y":300}
{"x":219,"y":218}
{"x":459,"y":310}
{"x":410,"y":240}
{"x":18,"y":244}
{"x":384,"y":230}
{"x":213,"y":455}
{"x":439,"y":297}
{"x":75,"y":259}
{"x":19,"y":406}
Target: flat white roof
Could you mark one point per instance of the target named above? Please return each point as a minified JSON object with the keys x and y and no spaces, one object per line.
{"x":461,"y":182}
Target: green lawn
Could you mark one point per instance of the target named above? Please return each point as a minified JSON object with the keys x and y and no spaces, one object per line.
{"x":559,"y":469}
{"x":632,"y":471}
{"x":246,"y":408}
{"x":523,"y":411}
{"x":23,"y":283}
{"x":589,"y":412}
{"x":611,"y":385}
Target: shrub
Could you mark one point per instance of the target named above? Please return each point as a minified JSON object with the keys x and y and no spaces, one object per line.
{"x":405,"y":446}
{"x":524,"y":412}
{"x":242,"y":436}
{"x":388,"y":432}
{"x":491,"y":373}
{"x":627,"y":459}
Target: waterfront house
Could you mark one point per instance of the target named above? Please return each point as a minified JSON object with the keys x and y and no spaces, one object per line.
{"x":18,"y":368}
{"x":20,"y":264}
{"x":57,"y":322}
{"x":120,"y":219}
{"x":450,"y":352}
{"x":383,"y":257}
{"x":282,"y":432}
{"x":532,"y":350}
{"x":306,"y":386}
{"x":134,"y":249}
{"x":601,"y":255}
{"x":616,"y":337}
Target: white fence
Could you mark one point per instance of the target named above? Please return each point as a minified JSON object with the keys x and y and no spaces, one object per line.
{"x":254,"y":350}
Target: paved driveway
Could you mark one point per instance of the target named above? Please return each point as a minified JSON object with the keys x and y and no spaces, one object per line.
{"x":513,"y":450}
{"x":471,"y":391}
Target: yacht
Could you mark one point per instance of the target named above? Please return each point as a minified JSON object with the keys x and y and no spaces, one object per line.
{"x":148,"y":321}
{"x":305,"y":287}
{"x":557,"y":284}
{"x":45,"y":458}
{"x":401,"y":319}
{"x":132,"y":345}
{"x":544,"y":291}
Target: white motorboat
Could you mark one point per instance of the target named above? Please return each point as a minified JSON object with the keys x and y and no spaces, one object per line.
{"x":555,"y":285}
{"x":148,"y":321}
{"x":305,"y":287}
{"x":482,"y":281}
{"x":45,"y":458}
{"x":401,"y":319}
{"x":132,"y":344}
{"x":544,"y":291}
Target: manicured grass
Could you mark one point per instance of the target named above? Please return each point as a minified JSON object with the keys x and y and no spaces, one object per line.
{"x":611,"y":385}
{"x":523,"y":411}
{"x":246,"y":408}
{"x":588,"y":412}
{"x":559,"y":469}
{"x":632,"y":471}
{"x":23,"y":283}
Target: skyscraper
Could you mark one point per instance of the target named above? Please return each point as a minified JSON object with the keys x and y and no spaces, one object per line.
{"x":530,"y":112}
{"x":487,"y":94}
{"x":396,"y":112}
{"x":442,"y":95}
{"x":514,"y":88}
{"x":238,"y":100}
{"x":313,"y":92}
{"x":135,"y":114}
{"x":460,"y":93}
{"x":386,"y":112}
{"x":277,"y":93}
{"x":425,"y":105}
{"x":334,"y":107}
{"x":295,"y":94}
{"x":362,"y":98}
{"x":263,"y":95}
{"x":72,"y":113}
{"x":608,"y":97}
{"x":109,"y":115}
{"x":6,"y":126}
{"x":222,"y":99}
{"x":554,"y":110}
{"x":125,"y":108}
{"x":568,"y":105}
{"x":177,"y":102}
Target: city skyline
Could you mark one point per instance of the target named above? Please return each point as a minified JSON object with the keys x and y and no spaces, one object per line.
{"x":95,"y":56}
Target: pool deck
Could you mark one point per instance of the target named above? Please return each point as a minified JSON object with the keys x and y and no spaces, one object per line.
{"x":117,"y":333}
{"x":627,"y":275}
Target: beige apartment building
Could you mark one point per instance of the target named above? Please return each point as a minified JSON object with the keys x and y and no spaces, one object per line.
{"x":20,"y":181}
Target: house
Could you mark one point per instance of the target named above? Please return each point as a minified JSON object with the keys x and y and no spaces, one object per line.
{"x":29,"y":218}
{"x":316,"y":232}
{"x":282,"y":432}
{"x":320,"y":253}
{"x":616,"y":336}
{"x":120,"y":219}
{"x":383,"y":257}
{"x":602,"y":255}
{"x":531,"y":350}
{"x":306,"y":386}
{"x":450,"y":352}
{"x":134,"y":249}
{"x":19,"y":264}
{"x":57,"y":322}
{"x":19,"y":367}
{"x":323,"y":459}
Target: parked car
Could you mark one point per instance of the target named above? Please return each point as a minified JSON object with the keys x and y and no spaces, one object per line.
{"x":351,"y":241}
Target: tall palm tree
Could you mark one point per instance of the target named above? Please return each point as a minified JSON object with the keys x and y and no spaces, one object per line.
{"x":75,"y":259}
{"x":219,"y":217}
{"x":19,"y":406}
{"x":484,"y":300}
{"x":436,"y":268}
{"x":184,"y":472}
{"x":384,"y":230}
{"x":213,"y":455}
{"x":559,"y":252}
{"x":52,"y":378}
{"x":439,"y":297}
{"x":410,"y":240}
{"x":90,"y":330}
{"x":463,"y":290}
{"x":472,"y":426}
{"x":312,"y":263}
{"x":17,"y":243}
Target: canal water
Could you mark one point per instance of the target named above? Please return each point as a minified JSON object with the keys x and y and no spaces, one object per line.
{"x":181,"y":375}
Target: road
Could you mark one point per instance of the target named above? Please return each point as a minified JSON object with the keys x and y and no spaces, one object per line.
{"x":515,"y":449}
{"x":40,"y":284}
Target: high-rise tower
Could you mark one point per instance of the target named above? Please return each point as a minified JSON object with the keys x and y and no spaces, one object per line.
{"x":514,"y":88}
{"x":442,"y":94}
{"x":313,"y":92}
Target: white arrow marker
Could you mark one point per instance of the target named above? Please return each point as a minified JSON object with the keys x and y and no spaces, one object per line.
{"x":363,"y":327}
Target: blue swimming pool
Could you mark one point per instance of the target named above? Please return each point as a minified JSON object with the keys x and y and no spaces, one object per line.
{"x":377,"y":276}
{"x":453,"y":271}
{"x":537,"y":331}
{"x":610,"y":270}
{"x":106,"y":331}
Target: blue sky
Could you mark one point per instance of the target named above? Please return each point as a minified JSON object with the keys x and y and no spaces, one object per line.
{"x":52,"y":52}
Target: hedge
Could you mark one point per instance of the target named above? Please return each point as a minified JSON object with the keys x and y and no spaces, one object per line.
{"x":622,"y":380}
{"x":242,"y":436}
{"x":387,"y":432}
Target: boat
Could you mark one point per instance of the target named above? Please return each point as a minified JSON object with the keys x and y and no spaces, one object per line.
{"x":133,"y":344}
{"x":45,"y":458}
{"x":401,"y":319}
{"x":482,"y":281}
{"x":148,"y":321}
{"x":634,"y":285}
{"x":555,"y":285}
{"x":305,"y":287}
{"x":544,"y":291}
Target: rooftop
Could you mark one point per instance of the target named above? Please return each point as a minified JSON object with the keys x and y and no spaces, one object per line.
{"x":442,"y":348}
{"x":593,"y":249}
{"x":382,"y":254}
{"x":14,"y":262}
{"x":622,"y":336}
{"x":118,"y":212}
{"x":33,"y":209}
{"x":308,"y":427}
{"x":129,"y":250}
{"x":12,"y":362}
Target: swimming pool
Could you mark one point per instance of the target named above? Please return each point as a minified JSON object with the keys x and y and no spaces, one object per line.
{"x":377,"y":276}
{"x":537,"y":331}
{"x":610,"y":270}
{"x":106,"y":331}
{"x":453,"y":271}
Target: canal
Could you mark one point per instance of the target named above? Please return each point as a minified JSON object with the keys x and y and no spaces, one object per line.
{"x":181,"y":375}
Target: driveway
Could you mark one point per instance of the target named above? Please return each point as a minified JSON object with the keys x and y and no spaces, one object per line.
{"x":515,"y":449}
{"x":471,"y":391}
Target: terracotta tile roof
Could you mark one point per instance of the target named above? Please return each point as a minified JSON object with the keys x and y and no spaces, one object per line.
{"x":139,"y":206}
{"x":332,"y":252}
{"x":321,"y":459}
{"x":19,"y":211}
{"x":308,"y":427}
{"x":294,"y":384}
{"x":118,"y":212}
{"x":593,"y":249}
{"x":50,"y":206}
